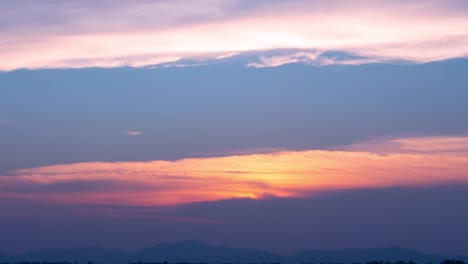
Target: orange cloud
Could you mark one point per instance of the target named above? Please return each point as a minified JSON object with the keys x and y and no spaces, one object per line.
{"x":386,"y":163}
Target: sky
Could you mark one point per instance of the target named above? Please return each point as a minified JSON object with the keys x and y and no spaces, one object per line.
{"x":275,"y":125}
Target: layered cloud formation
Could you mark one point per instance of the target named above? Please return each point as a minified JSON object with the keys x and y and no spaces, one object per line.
{"x":50,"y":34}
{"x":382,"y":163}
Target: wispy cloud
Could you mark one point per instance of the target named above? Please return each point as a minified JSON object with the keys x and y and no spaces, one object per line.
{"x":398,"y":162}
{"x":133,"y":133}
{"x":273,"y":61}
{"x":313,"y":58}
{"x":46,"y":35}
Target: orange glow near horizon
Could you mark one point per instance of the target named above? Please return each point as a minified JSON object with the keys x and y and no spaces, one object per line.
{"x":387,"y":163}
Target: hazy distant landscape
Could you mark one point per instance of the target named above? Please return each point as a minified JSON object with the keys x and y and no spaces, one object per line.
{"x":275,"y":131}
{"x":198,"y":252}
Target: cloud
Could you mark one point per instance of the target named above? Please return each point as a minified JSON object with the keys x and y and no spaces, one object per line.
{"x":273,"y":61}
{"x":133,"y":133}
{"x":386,"y":163}
{"x":43,"y":35}
{"x":313,"y":58}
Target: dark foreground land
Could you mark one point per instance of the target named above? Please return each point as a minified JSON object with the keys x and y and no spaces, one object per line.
{"x":165,"y":262}
{"x":194,"y":252}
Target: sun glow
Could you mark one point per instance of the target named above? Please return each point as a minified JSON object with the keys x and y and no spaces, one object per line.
{"x":399,"y":162}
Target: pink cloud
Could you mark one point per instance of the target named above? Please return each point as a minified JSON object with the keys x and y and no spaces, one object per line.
{"x":156,"y":32}
{"x":133,"y":133}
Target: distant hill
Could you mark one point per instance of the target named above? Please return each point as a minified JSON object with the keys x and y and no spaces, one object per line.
{"x":196,"y":252}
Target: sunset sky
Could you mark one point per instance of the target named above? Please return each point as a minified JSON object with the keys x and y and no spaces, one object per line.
{"x":271,"y":124}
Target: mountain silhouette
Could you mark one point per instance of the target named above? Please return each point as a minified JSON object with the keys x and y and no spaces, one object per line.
{"x":197,"y":252}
